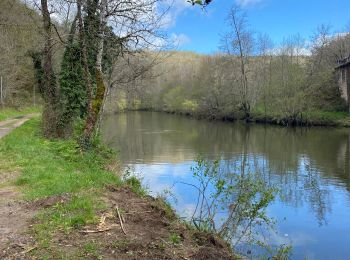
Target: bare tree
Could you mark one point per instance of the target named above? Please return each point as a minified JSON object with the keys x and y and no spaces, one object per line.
{"x":238,"y":43}
{"x":136,"y":25}
{"x":264,"y":68}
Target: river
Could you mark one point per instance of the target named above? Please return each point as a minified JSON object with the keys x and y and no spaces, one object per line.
{"x":310,"y":166}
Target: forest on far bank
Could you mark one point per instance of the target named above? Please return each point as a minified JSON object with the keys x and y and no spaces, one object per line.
{"x":291,"y":81}
{"x":249,"y":77}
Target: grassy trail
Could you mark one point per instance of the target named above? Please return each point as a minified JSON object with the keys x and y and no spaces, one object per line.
{"x":9,"y":113}
{"x":7,"y":126}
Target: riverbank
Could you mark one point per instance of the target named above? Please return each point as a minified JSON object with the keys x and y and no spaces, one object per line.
{"x":60,"y":203}
{"x":311,"y":118}
{"x":308,"y":119}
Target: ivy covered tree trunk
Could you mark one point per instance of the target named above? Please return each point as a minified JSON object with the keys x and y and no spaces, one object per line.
{"x":50,"y":91}
{"x":95,"y":103}
{"x":91,"y":22}
{"x":84,"y":55}
{"x":72,"y":86}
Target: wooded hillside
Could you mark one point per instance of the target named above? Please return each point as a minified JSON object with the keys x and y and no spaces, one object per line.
{"x":285,"y":82}
{"x":19,"y":37}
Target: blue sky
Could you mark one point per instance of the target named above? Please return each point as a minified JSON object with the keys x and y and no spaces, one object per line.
{"x":195,"y":30}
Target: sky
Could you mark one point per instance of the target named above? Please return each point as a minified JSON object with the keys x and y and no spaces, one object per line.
{"x":193,"y":29}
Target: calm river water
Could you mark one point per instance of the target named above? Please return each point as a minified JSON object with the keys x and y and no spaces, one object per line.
{"x":311,"y":167}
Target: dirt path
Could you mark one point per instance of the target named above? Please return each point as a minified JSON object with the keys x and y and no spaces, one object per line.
{"x":8,"y":125}
{"x":15,"y":214}
{"x":15,"y":219}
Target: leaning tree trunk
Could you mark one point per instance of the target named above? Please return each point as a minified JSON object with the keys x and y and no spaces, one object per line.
{"x":95,"y":103}
{"x":51,"y":113}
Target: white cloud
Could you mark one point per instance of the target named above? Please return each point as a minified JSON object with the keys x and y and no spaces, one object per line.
{"x":247,"y":2}
{"x":173,"y":9}
{"x":173,"y":41}
{"x":179,"y":39}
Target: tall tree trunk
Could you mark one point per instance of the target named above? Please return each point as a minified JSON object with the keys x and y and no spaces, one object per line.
{"x":87,"y":76}
{"x":50,"y":93}
{"x":95,"y":104}
{"x":244,"y":79}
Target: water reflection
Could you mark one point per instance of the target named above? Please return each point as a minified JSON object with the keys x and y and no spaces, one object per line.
{"x":309,"y":166}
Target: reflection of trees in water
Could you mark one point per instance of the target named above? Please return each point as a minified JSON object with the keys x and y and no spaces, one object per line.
{"x":298,"y":161}
{"x":317,"y":195}
{"x":303,"y":186}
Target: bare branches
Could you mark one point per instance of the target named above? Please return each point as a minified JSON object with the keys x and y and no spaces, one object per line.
{"x":239,"y":42}
{"x":136,"y":23}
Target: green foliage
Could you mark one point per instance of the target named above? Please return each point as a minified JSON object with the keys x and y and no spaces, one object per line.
{"x":245,"y":194}
{"x":134,"y":182}
{"x":312,"y":117}
{"x":282,"y":87}
{"x":72,"y":84}
{"x":189,"y":105}
{"x":111,"y":44}
{"x":91,"y":26}
{"x":284,"y":252}
{"x":38,"y":69}
{"x":73,"y":92}
{"x":173,"y":99}
{"x":199,"y":2}
{"x":175,"y":239}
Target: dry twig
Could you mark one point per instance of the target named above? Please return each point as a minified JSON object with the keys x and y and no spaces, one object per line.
{"x":120,"y":220}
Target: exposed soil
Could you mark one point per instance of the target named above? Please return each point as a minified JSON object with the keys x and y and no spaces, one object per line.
{"x":148,"y":225}
{"x":15,"y":221}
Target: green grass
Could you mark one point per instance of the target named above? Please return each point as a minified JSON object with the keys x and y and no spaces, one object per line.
{"x":79,"y":211}
{"x":91,"y":249}
{"x":56,"y":167}
{"x":175,"y":239}
{"x":7,"y":113}
{"x":328,"y":115}
{"x":317,"y":117}
{"x":52,"y":167}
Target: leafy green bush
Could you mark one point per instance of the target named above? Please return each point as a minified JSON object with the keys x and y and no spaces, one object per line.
{"x":244,"y":195}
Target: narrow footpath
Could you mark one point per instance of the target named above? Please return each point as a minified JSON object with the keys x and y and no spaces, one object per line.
{"x":9,"y":125}
{"x":15,"y":214}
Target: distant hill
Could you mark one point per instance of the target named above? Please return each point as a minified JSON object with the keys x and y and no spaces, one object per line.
{"x":19,"y":34}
